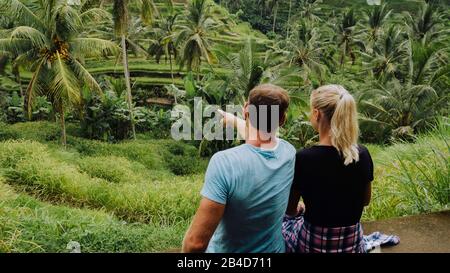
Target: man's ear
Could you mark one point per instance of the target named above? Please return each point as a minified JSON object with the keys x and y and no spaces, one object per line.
{"x":245,"y":111}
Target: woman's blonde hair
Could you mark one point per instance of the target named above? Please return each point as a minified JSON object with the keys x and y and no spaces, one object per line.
{"x":339,"y":108}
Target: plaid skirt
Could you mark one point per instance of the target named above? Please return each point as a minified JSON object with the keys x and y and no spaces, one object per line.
{"x":302,"y":237}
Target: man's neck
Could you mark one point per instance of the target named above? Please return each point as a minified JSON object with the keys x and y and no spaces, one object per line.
{"x":260,"y":139}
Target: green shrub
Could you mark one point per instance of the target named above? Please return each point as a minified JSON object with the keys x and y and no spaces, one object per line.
{"x":180,"y":165}
{"x":144,"y":152}
{"x":178,"y":148}
{"x":182,"y":159}
{"x":41,"y":131}
{"x":113,"y":169}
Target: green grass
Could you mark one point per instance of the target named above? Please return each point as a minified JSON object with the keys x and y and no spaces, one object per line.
{"x":411,"y":178}
{"x":109,"y":197}
{"x":32,"y":166}
{"x":30,"y":225}
{"x":139,"y":196}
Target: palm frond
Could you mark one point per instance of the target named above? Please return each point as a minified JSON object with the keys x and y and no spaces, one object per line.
{"x":33,"y":88}
{"x":67,"y":21}
{"x":90,"y":4}
{"x":84,"y":76}
{"x":64,"y":86}
{"x":94,"y":47}
{"x":95,"y":15}
{"x":137,"y":48}
{"x":149,"y":11}
{"x":15,"y":46}
{"x":36,"y":37}
{"x":21,"y":13}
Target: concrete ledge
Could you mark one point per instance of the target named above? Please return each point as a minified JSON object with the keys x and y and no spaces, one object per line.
{"x":424,"y":233}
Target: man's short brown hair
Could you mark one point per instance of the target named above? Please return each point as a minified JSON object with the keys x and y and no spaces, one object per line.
{"x":268,"y":95}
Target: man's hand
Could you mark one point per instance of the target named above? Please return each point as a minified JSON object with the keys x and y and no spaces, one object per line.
{"x":203,"y":226}
{"x":229,"y":119}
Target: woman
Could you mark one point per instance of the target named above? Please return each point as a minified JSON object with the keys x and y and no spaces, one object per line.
{"x":333,"y":178}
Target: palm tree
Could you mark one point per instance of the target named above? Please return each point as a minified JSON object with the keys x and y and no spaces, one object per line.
{"x":193,"y":36}
{"x":376,"y":18}
{"x":148,"y":11}
{"x":49,"y":36}
{"x":288,"y":24}
{"x":246,"y":70}
{"x":417,"y":97}
{"x":309,"y":10}
{"x":304,"y":49}
{"x":389,"y":56}
{"x":164,"y":41}
{"x":402,"y":107}
{"x":274,"y":4}
{"x":347,"y":36}
{"x":428,"y":64}
{"x":423,"y":26}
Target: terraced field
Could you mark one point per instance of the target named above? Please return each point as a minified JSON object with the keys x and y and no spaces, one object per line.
{"x":140,"y":196}
{"x":146,"y":73}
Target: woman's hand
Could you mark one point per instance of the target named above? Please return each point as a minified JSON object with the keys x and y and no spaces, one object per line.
{"x":301,"y":208}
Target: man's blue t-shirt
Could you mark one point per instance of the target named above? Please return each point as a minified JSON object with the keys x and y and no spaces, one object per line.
{"x":254,"y":184}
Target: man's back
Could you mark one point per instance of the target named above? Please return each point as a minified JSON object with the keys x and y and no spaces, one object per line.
{"x":254,"y":184}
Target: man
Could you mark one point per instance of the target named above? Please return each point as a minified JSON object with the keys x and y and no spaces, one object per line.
{"x":247,"y":187}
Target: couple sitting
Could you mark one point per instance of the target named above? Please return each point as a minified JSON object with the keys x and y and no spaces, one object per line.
{"x":251,"y":192}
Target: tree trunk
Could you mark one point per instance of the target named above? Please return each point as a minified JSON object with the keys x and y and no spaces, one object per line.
{"x":128,"y":84}
{"x":171,"y":74}
{"x":16,"y":73}
{"x":171,"y":68}
{"x":63,"y":125}
{"x":199,"y":69}
{"x":275,"y":17}
{"x":343,"y":53}
{"x":289,"y":19}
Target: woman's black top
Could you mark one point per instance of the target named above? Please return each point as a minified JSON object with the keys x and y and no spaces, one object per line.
{"x":332,"y":192}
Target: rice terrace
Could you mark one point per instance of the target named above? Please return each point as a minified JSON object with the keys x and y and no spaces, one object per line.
{"x":88,"y":89}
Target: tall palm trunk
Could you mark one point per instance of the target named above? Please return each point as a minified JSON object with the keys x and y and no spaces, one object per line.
{"x":171,"y":68}
{"x":18,"y":79}
{"x":171,"y":74}
{"x":275,"y":17}
{"x":199,"y":69}
{"x":128,"y":84}
{"x":289,"y":19}
{"x":62,"y":122}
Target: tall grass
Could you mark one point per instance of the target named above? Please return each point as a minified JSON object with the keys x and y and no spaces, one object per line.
{"x":29,"y":225}
{"x":114,"y":169}
{"x":412,"y":178}
{"x":31,"y":165}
